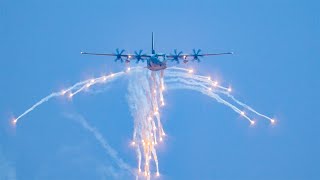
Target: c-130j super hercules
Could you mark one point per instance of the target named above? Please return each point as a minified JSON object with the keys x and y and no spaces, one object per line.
{"x":157,"y":61}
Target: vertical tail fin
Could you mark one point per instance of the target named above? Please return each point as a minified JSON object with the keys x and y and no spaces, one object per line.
{"x":153,"y":51}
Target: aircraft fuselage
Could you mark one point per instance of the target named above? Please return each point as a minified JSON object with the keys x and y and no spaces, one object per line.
{"x":154,"y":63}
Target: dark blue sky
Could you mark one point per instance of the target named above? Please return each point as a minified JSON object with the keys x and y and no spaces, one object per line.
{"x":275,"y":69}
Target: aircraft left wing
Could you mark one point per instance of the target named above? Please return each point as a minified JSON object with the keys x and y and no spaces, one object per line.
{"x":121,"y":56}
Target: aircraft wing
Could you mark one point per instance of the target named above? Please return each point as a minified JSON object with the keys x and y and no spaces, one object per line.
{"x":185,"y":56}
{"x":193,"y":56}
{"x":121,"y":56}
{"x":104,"y":54}
{"x":217,"y":54}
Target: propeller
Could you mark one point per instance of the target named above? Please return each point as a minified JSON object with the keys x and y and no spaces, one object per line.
{"x":138,"y":56}
{"x":176,"y":56}
{"x":119,"y":55}
{"x":196,"y":55}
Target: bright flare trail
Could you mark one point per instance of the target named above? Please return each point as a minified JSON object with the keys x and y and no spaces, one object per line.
{"x":145,"y":99}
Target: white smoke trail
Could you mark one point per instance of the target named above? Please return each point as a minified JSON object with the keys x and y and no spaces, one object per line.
{"x":145,"y":95}
{"x":174,"y":76}
{"x":212,"y":95}
{"x":73,"y":90}
{"x":102,"y":141}
{"x":250,"y":108}
{"x":144,"y":92}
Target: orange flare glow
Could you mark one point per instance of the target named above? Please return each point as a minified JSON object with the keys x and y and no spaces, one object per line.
{"x":63,"y":92}
{"x":14,"y":121}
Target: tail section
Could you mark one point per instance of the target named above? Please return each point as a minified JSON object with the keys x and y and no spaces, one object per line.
{"x":153,"y":51}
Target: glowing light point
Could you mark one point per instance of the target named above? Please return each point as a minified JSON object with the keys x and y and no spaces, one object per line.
{"x":209,"y":78}
{"x":133,"y":143}
{"x":229,"y":89}
{"x":209,"y":89}
{"x":63,"y":92}
{"x":190,"y":71}
{"x":273,"y":121}
{"x":14,"y":121}
{"x":70,"y":95}
{"x":129,"y":56}
{"x":88,"y":85}
{"x":156,"y":112}
{"x":128,"y":69}
{"x":104,"y":78}
{"x":112,"y":75}
{"x":215,"y":84}
{"x":162,"y":104}
{"x":154,"y":91}
{"x":92,"y":80}
{"x":158,"y":174}
{"x":252,"y":123}
{"x":242,"y":113}
{"x":163,"y":88}
{"x":163,"y":134}
{"x":161,"y":139}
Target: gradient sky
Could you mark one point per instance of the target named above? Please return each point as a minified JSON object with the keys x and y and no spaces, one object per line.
{"x":275,"y":69}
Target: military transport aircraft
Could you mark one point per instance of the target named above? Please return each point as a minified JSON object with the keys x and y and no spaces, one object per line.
{"x":156,"y":61}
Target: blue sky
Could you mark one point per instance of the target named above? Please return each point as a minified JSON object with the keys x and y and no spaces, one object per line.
{"x":274,"y":69}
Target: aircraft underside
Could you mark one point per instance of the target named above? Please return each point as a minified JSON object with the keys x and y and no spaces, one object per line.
{"x":156,"y":66}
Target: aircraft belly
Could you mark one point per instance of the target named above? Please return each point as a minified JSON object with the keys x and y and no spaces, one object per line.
{"x":157,"y":67}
